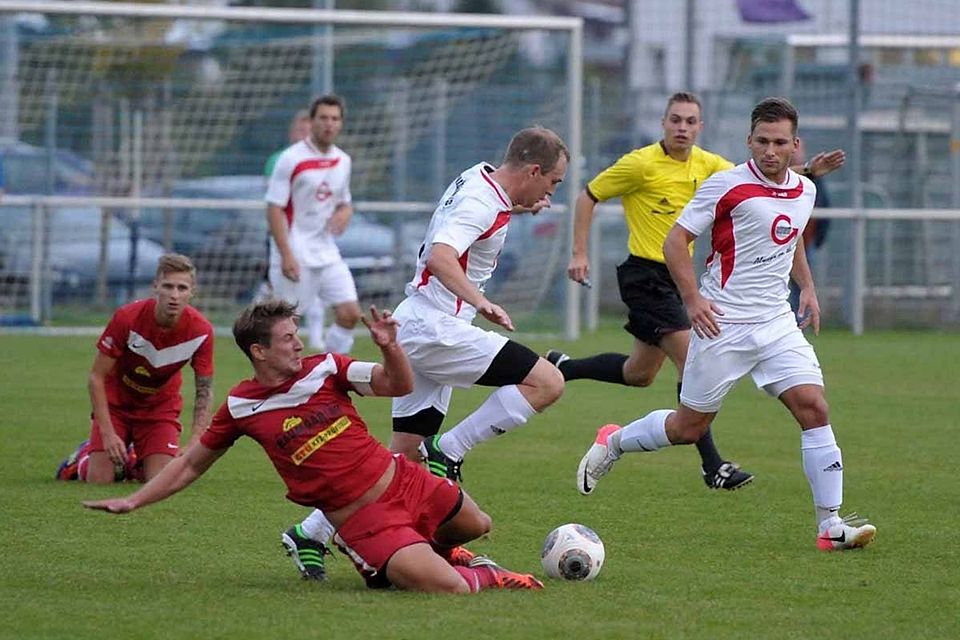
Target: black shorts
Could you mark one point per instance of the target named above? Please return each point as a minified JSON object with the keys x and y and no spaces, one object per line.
{"x":654,"y":303}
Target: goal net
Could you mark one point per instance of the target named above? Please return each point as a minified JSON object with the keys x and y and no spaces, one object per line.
{"x":155,"y":102}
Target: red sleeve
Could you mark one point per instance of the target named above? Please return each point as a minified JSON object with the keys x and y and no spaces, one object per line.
{"x":222,"y":432}
{"x":202,"y":361}
{"x":113,"y":340}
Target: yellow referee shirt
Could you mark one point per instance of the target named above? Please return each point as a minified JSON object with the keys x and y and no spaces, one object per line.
{"x":654,"y":188}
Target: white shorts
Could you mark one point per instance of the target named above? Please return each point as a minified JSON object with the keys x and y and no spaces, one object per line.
{"x":331,"y":284}
{"x":775,"y":354}
{"x":444,"y":351}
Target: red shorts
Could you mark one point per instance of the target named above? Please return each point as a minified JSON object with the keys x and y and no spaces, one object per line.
{"x":155,"y":432}
{"x":409,"y":511}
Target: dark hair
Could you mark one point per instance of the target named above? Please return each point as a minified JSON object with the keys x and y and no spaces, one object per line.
{"x":536,"y":145}
{"x":330,"y":100}
{"x":683,"y":96}
{"x":774,"y":110}
{"x":175,"y":263}
{"x":255,"y":324}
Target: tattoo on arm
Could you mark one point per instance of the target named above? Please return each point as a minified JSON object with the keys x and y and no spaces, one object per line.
{"x":203,"y":403}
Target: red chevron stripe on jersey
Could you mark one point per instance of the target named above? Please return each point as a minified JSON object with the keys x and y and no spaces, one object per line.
{"x":313,"y":163}
{"x":724,"y":241}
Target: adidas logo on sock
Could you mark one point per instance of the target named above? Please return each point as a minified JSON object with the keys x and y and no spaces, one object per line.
{"x":836,"y":466}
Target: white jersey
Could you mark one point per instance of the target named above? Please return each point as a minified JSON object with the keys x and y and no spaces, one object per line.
{"x":756,"y":225}
{"x":472,"y":217}
{"x":309,"y":184}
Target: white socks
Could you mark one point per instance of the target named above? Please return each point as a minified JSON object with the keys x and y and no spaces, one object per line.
{"x":649,"y":433}
{"x":339,"y":339}
{"x":317,"y":527}
{"x":503,"y":411}
{"x":823,"y":465}
{"x":315,"y":315}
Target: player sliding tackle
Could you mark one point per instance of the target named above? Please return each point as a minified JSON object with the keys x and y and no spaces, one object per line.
{"x":400,"y":525}
{"x":742,"y":320}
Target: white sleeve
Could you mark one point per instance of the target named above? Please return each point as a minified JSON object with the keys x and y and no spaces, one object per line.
{"x":359,"y":374}
{"x":470,"y":219}
{"x":700,"y":212}
{"x":278,"y":187}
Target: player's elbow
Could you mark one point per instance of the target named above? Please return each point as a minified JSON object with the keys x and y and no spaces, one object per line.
{"x":403,"y":387}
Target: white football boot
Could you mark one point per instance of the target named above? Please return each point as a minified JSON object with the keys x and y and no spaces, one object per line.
{"x":841,"y":534}
{"x":598,"y":460}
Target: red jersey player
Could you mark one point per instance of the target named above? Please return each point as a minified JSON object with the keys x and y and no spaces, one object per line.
{"x":399,"y":524}
{"x":135,"y":380}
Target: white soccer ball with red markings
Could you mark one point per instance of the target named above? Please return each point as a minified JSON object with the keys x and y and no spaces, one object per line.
{"x":572,"y":552}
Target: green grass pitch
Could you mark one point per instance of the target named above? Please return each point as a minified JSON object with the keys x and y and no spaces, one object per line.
{"x":682,"y":561}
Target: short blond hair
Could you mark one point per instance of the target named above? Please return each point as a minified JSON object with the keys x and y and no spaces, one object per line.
{"x":536,"y":145}
{"x":175,"y":263}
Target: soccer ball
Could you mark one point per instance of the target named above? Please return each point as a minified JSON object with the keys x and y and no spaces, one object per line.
{"x":572,"y":552}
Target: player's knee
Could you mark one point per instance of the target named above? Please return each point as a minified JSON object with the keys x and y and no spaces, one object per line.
{"x":474,"y":523}
{"x":549,"y":385}
{"x":347,"y":316}
{"x":100,"y":474}
{"x":815,"y":412}
{"x":638,"y":377}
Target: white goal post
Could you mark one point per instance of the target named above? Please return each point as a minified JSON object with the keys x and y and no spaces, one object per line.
{"x":135,"y":108}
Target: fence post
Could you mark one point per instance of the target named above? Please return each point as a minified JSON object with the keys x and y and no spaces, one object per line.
{"x":36,"y":261}
{"x":858,"y":236}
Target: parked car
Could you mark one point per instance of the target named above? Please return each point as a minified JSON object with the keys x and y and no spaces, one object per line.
{"x":229,"y":246}
{"x":73,"y":243}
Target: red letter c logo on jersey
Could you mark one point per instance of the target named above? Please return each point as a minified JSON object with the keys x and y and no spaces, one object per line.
{"x":782,"y":231}
{"x":323,"y":192}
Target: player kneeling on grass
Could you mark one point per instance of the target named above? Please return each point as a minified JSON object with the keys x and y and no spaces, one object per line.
{"x":135,"y":382}
{"x":400,"y":525}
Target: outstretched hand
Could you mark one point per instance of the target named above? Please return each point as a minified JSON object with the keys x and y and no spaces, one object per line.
{"x":382,"y":326}
{"x":826,"y":162}
{"x":110,"y":505}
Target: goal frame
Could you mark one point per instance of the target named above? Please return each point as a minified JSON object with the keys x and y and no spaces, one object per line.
{"x":571,"y":25}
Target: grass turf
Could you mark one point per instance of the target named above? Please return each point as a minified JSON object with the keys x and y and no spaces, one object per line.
{"x":682,"y":561}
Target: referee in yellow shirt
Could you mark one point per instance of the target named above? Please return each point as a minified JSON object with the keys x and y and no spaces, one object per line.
{"x":654,"y":184}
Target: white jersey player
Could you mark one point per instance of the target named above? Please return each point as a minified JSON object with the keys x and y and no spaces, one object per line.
{"x":742,"y":321}
{"x":308,"y":205}
{"x":445,"y":350}
{"x":472,"y":217}
{"x":458,"y":256}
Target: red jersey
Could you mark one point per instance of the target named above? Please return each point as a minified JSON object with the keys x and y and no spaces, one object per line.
{"x":149,"y":357}
{"x":310,"y":430}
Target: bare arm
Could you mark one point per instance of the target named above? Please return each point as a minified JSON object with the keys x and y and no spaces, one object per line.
{"x":277,"y":220}
{"x":394,"y":377}
{"x":113,"y":445}
{"x":202,"y":408}
{"x":177,"y":475}
{"x":340,"y":219}
{"x":578,"y":269}
{"x":808,"y":307}
{"x":702,"y":312}
{"x":445,"y":265}
{"x":821,"y":164}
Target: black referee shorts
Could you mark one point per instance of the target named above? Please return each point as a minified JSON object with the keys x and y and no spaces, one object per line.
{"x":654,"y":303}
